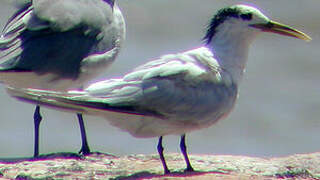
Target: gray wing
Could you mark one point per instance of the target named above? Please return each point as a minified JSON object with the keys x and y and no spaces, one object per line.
{"x":53,"y":36}
{"x":174,"y":85}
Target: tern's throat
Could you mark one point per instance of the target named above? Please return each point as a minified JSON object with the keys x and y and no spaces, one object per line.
{"x":231,"y":53}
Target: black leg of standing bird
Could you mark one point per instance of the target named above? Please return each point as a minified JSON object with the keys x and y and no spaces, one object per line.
{"x":85,"y":150}
{"x":160,"y":151}
{"x":183,"y":148}
{"x":37,"y":119}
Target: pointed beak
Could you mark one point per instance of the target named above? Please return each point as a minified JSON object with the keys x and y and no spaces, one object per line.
{"x":282,"y":29}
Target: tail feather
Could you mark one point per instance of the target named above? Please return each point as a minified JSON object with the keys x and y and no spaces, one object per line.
{"x":77,"y":101}
{"x":42,"y":98}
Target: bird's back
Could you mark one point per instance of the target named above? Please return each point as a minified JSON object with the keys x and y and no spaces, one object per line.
{"x":60,"y":40}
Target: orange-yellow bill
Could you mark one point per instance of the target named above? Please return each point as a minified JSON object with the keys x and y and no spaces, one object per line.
{"x":282,"y":29}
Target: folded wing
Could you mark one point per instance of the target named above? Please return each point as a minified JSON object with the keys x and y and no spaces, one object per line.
{"x":44,"y":36}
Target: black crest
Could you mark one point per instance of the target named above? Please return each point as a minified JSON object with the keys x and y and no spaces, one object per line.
{"x":221,"y":16}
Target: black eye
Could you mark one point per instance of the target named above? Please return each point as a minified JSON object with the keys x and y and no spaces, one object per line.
{"x":247,"y":16}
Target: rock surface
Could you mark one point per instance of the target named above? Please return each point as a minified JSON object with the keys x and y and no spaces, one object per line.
{"x":105,"y":166}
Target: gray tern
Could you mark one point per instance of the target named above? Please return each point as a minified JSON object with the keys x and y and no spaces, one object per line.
{"x":59,"y":45}
{"x":176,"y":93}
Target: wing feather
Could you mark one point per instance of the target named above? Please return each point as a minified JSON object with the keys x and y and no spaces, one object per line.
{"x":57,"y":29}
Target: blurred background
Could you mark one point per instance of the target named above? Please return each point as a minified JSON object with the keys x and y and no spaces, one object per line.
{"x":277,"y":112}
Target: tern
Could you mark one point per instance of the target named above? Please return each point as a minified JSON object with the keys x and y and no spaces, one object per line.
{"x":176,"y":93}
{"x":59,"y":45}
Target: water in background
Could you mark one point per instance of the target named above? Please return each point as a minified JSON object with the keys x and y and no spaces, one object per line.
{"x":279,"y":106}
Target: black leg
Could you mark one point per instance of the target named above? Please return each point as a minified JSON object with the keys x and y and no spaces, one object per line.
{"x":183,"y":148}
{"x":160,"y":151}
{"x":37,"y":119}
{"x":85,"y":150}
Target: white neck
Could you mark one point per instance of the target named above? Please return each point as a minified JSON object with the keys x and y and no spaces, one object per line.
{"x":231,"y":51}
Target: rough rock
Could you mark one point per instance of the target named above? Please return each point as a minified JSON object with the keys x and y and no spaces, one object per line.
{"x":105,"y":166}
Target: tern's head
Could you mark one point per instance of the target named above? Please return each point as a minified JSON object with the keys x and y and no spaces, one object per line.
{"x":245,"y":22}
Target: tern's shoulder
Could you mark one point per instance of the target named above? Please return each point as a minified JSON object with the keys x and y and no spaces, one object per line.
{"x":193,"y":65}
{"x":66,"y":14}
{"x":60,"y":16}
